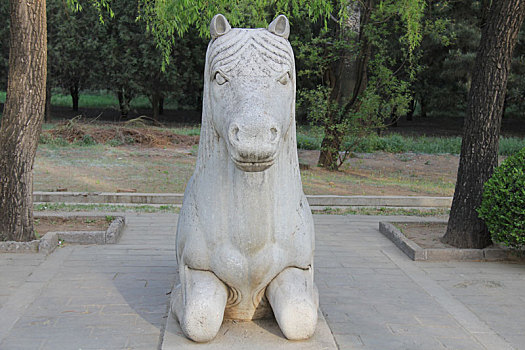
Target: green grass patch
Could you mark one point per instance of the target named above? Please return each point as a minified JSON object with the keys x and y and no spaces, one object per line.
{"x":186,"y":130}
{"x":104,"y":99}
{"x":309,"y":137}
{"x":69,"y":207}
{"x":106,"y":208}
{"x":383,"y":211}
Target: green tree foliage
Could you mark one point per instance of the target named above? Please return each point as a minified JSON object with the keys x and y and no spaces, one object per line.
{"x":169,"y":20}
{"x":447,"y":56}
{"x":94,"y":49}
{"x":359,"y":68}
{"x":75,"y":41}
{"x":134,"y":64}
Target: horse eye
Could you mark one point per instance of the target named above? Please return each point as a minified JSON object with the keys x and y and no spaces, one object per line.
{"x":220,"y":79}
{"x":284,"y":79}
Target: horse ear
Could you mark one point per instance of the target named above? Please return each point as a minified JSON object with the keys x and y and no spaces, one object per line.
{"x":280,"y":26}
{"x":219,"y":26}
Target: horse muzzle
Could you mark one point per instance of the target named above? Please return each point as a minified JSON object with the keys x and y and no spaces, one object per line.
{"x":253,"y":148}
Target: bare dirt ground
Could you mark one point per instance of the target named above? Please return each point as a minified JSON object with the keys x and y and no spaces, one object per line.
{"x":425,"y":234}
{"x":44,"y":225}
{"x":104,"y":168}
{"x":155,"y":159}
{"x":383,"y":174}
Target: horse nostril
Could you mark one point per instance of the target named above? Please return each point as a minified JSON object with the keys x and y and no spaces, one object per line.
{"x":274,"y":134}
{"x":234,"y":133}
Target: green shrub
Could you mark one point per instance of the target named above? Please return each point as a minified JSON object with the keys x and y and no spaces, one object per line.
{"x":115,"y":142}
{"x":45,"y":138}
{"x":510,"y":145}
{"x":53,"y":141}
{"x":87,"y":140}
{"x":308,"y":142}
{"x":503,"y":204}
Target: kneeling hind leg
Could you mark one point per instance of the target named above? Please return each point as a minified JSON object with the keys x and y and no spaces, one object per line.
{"x":199,"y":303}
{"x":294,"y":300}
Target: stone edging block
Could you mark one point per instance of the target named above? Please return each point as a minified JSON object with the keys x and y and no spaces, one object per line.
{"x":417,"y":253}
{"x":49,"y":241}
{"x":176,"y":199}
{"x":19,"y":247}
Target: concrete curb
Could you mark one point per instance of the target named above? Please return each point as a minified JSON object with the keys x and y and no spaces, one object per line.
{"x":48,"y":243}
{"x":176,"y":199}
{"x":417,"y":253}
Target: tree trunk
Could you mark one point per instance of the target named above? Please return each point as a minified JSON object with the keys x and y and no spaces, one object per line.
{"x":411,"y":110}
{"x":348,"y":80}
{"x":161,"y":105}
{"x":124,"y":100}
{"x":479,"y":149}
{"x":47,"y":113}
{"x":423,"y":105}
{"x":74,"y":90}
{"x":330,"y":147}
{"x":155,"y":101}
{"x":23,"y":116}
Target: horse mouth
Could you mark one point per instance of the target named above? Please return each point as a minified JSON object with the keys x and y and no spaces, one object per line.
{"x":250,"y":166}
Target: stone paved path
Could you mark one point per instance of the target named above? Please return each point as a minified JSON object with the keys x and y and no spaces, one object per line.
{"x":371,"y":294}
{"x":102,"y":297}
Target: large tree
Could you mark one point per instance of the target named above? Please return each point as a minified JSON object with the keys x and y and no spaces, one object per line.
{"x":479,"y":149}
{"x":22,"y":117}
{"x":358,"y":69}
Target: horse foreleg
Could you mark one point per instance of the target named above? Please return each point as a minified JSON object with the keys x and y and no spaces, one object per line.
{"x":294,"y":300}
{"x":198,"y":303}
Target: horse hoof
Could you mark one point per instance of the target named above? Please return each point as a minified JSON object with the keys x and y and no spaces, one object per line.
{"x":294,"y":300}
{"x":202,"y":308}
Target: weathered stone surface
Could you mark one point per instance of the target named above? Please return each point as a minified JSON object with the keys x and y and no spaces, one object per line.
{"x":414,"y":251}
{"x":253,"y":335}
{"x":245,"y":235}
{"x":114,"y":230}
{"x":176,"y":199}
{"x":19,"y":247}
{"x":48,"y":243}
{"x":83,"y":237}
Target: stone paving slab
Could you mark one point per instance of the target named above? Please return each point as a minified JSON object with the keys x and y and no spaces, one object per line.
{"x":256,"y":335}
{"x":371,"y":295}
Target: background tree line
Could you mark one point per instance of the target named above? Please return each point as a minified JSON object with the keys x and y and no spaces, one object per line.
{"x":117,"y":55}
{"x":122,"y":57}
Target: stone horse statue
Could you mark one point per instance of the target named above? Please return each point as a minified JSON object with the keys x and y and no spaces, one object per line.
{"x":245,"y":236}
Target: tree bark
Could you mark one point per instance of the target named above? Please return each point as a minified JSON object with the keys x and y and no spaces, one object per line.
{"x":124,"y":100}
{"x":155,"y":102}
{"x":411,"y":110}
{"x":47,"y":113}
{"x":479,"y":149}
{"x":75,"y":94}
{"x":23,"y":116}
{"x":161,"y":105}
{"x":348,"y":78}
